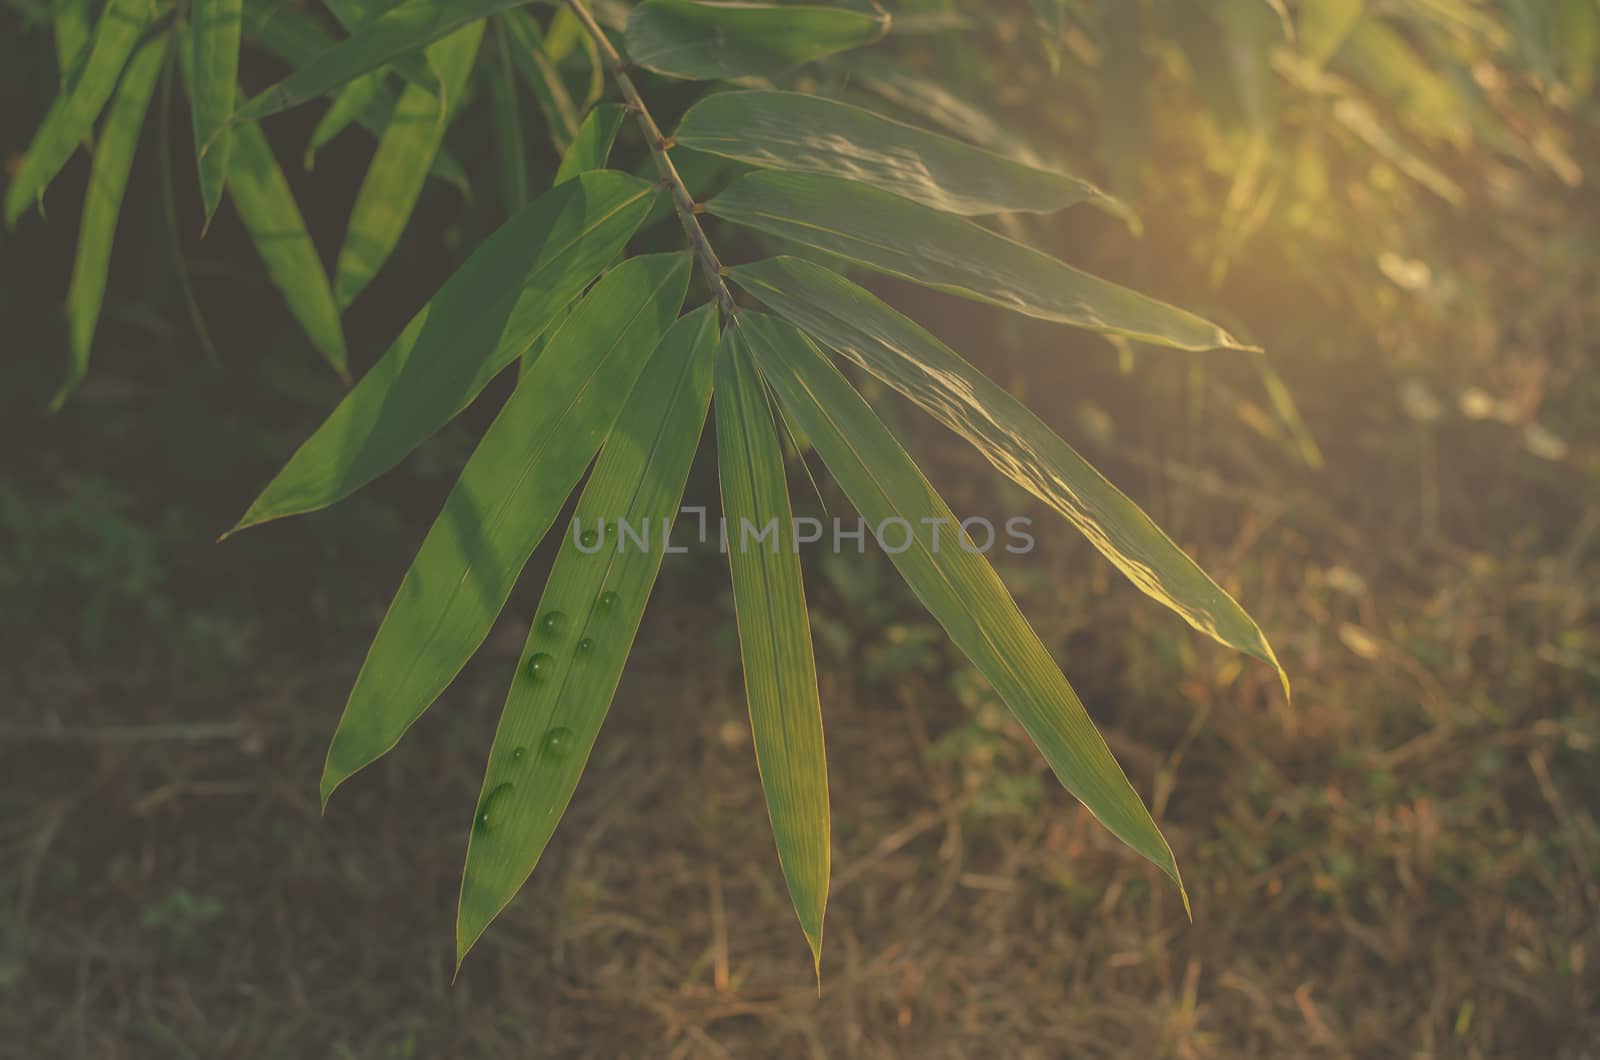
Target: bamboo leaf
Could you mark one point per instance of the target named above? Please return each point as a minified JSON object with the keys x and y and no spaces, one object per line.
{"x":405,"y":28}
{"x":538,"y":67}
{"x":809,"y":134}
{"x":72,"y":24}
{"x":907,"y":239}
{"x":267,"y":208}
{"x":705,"y":41}
{"x":297,"y":40}
{"x":508,"y":494}
{"x":511,"y":153}
{"x":367,"y":94}
{"x":70,"y":119}
{"x":842,"y":316}
{"x":484,"y":317}
{"x":549,"y":723}
{"x":357,"y":15}
{"x":102,"y":205}
{"x":592,"y":146}
{"x":953,"y":580}
{"x":780,"y":674}
{"x":395,"y":178}
{"x":214,"y":27}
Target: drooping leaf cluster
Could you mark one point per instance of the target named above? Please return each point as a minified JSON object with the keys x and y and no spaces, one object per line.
{"x":853,"y":161}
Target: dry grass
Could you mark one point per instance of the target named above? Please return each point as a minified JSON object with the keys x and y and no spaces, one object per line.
{"x":1403,"y":863}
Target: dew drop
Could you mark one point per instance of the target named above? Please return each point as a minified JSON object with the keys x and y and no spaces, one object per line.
{"x":553,"y":623}
{"x":585,"y":646}
{"x":557,"y":743}
{"x":486,"y":815}
{"x":517,"y":753}
{"x":540,"y":666}
{"x":608,"y":599}
{"x":589,"y":538}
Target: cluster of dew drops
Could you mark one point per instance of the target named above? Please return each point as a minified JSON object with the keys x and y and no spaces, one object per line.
{"x":557,"y":742}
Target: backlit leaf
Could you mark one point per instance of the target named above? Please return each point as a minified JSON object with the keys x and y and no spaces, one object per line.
{"x":810,"y":134}
{"x":910,"y":240}
{"x":948,"y":573}
{"x":847,"y":319}
{"x":780,"y":674}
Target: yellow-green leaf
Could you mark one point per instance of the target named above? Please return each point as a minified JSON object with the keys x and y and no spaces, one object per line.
{"x":908,"y":239}
{"x":847,"y":319}
{"x":949,"y":574}
{"x":780,"y":674}
{"x":811,"y":134}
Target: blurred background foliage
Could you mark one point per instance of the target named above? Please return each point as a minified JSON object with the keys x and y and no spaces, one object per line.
{"x":1394,"y":199}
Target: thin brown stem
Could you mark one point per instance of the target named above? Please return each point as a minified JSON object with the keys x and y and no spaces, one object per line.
{"x":683,"y":203}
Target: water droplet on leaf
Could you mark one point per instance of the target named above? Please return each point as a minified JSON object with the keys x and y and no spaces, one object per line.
{"x":585,"y":646}
{"x":608,"y":599}
{"x":589,"y":538}
{"x":541,"y":666}
{"x":486,"y":814}
{"x":517,"y":753}
{"x":553,"y":623}
{"x":557,"y":743}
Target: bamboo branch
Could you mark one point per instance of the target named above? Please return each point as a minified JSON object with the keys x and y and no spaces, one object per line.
{"x":683,"y":203}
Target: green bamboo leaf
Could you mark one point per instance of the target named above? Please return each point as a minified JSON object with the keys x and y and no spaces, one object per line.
{"x":70,"y":119}
{"x":72,"y":24}
{"x":706,"y":41}
{"x":357,"y":15}
{"x":780,"y":674}
{"x":367,"y":94}
{"x":592,"y":146}
{"x":405,"y":28}
{"x":845,"y":318}
{"x":587,"y":619}
{"x":297,"y":40}
{"x":214,"y":27}
{"x":810,"y":134}
{"x":509,"y":493}
{"x":511,"y":153}
{"x":532,"y":55}
{"x":267,"y":208}
{"x":908,"y":239}
{"x":952,"y":578}
{"x":102,"y":205}
{"x":484,"y":317}
{"x":395,"y":178}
